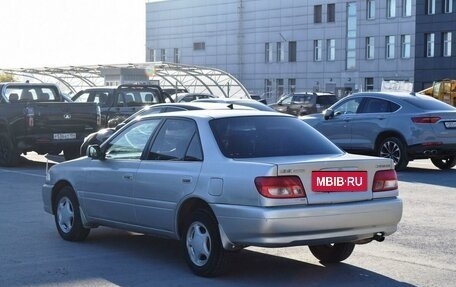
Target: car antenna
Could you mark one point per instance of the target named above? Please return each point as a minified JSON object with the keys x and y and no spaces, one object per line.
{"x":230,"y":106}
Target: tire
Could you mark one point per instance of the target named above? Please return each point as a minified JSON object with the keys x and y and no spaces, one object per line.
{"x":332,"y":253}
{"x":68,"y":217}
{"x":394,"y":149}
{"x":202,"y":246}
{"x":8,"y":153}
{"x":444,"y":163}
{"x":70,"y":153}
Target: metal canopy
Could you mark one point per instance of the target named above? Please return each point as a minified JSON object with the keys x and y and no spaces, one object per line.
{"x":194,"y":79}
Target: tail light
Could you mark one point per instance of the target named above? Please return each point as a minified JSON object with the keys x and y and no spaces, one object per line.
{"x":385,"y":180}
{"x":29,"y":117}
{"x":280,"y":186}
{"x":425,"y":120}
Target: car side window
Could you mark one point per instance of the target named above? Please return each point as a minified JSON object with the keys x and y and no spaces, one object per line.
{"x":131,"y":142}
{"x":348,"y":107}
{"x":374,"y":105}
{"x":287,"y":100}
{"x":173,"y":141}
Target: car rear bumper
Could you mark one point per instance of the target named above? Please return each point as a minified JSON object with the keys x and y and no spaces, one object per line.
{"x":428,"y":151}
{"x":309,"y":225}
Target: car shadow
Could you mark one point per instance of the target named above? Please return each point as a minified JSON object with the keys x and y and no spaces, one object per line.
{"x":428,"y":176}
{"x":149,"y":259}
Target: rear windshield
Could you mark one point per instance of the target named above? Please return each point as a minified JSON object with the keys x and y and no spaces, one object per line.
{"x":28,"y":93}
{"x":428,"y":103}
{"x":263,"y":136}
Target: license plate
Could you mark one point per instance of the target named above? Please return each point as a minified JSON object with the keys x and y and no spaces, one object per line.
{"x":450,"y":125}
{"x":65,"y":136}
{"x":339,"y":181}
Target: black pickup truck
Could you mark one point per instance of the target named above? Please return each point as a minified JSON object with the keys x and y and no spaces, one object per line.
{"x":119,"y":102}
{"x":35,"y":117}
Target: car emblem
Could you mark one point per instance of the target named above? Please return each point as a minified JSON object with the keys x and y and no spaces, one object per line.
{"x":67,"y":116}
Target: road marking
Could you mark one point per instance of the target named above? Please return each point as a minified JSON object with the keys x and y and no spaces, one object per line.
{"x":23,"y":173}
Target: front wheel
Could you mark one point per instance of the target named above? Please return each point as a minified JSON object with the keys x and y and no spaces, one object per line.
{"x":444,"y":163}
{"x":394,"y":149}
{"x":68,"y":217}
{"x":332,"y":253}
{"x":202,"y":246}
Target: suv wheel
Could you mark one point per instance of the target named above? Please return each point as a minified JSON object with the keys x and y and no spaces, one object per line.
{"x":444,"y":163}
{"x":8,"y":154}
{"x":394,"y":149}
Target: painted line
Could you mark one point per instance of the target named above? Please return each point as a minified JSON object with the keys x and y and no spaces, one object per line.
{"x":23,"y":173}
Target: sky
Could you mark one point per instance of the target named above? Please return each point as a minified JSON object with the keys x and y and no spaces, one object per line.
{"x":57,"y":33}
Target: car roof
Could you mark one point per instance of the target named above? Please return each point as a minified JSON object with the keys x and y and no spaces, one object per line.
{"x":203,"y":105}
{"x":388,"y":95}
{"x":216,"y":114}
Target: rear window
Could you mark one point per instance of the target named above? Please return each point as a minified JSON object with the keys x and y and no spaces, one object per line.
{"x":428,"y":103}
{"x":263,"y":136}
{"x":28,"y":93}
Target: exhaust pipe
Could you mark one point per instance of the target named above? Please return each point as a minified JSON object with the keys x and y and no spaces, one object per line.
{"x":379,"y":236}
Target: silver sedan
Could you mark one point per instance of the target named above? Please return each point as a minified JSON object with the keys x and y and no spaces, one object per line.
{"x":219,"y":181}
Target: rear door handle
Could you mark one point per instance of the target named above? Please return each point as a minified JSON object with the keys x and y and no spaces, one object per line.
{"x":186,"y":179}
{"x":128,"y":176}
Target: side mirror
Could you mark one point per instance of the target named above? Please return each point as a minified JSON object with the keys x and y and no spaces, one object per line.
{"x":95,"y":152}
{"x":328,"y":113}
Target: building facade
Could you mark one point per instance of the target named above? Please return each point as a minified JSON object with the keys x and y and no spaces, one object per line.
{"x":275,"y":47}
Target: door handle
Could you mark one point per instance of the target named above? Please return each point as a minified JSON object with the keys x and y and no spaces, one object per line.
{"x":187,"y":180}
{"x":128,"y":176}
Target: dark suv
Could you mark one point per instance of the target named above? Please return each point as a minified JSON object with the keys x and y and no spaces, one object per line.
{"x":304,"y":103}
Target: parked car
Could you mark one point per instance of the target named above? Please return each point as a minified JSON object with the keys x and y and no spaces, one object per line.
{"x":188,"y":97}
{"x":221,"y":180}
{"x":119,"y":102}
{"x":244,"y":102}
{"x":399,"y":126}
{"x":303,"y":103}
{"x":103,"y":134}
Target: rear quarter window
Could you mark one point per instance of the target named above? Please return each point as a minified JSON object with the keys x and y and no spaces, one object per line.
{"x":262,"y":136}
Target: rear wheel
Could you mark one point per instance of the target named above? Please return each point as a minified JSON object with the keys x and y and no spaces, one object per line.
{"x":444,"y":163}
{"x":202,"y":246}
{"x":394,"y":149}
{"x":332,"y":253}
{"x":8,"y":153}
{"x":68,"y":217}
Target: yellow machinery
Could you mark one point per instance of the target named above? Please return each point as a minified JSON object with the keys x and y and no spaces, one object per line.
{"x":444,"y":90}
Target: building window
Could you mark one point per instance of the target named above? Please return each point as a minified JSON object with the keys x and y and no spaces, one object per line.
{"x":292,"y":51}
{"x":291,"y":85}
{"x":163,"y":55}
{"x":447,"y":36}
{"x":430,"y":41}
{"x":268,"y":53}
{"x":406,"y":8}
{"x":390,"y":8}
{"x":370,"y":9}
{"x":152,"y":55}
{"x":199,"y":46}
{"x":279,"y":87}
{"x":317,"y":13}
{"x":317,"y":50}
{"x":267,"y":87}
{"x":280,"y":52}
{"x":369,"y":84}
{"x":405,"y":46}
{"x":331,"y":12}
{"x":447,"y":6}
{"x":331,"y":49}
{"x":370,"y":47}
{"x":430,"y":7}
{"x":351,"y":36}
{"x":176,"y":55}
{"x":390,"y":43}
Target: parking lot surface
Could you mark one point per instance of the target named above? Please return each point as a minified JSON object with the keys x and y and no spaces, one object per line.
{"x":420,"y":253}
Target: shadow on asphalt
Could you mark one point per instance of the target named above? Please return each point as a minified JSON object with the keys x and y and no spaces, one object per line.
{"x":161,"y":259}
{"x":429,"y":176}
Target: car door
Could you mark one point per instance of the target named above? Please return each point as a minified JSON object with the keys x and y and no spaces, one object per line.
{"x":168,"y":173}
{"x":108,"y":191}
{"x":370,"y":120}
{"x":338,"y":128}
